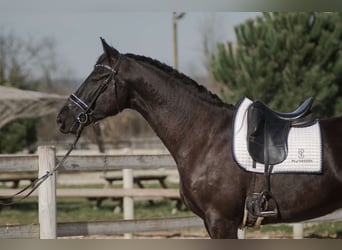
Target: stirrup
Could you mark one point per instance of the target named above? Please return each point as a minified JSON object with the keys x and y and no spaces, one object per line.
{"x":268,"y":213}
{"x":262,"y":203}
{"x":257,"y":204}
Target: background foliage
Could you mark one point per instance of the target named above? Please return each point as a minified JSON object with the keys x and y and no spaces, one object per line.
{"x":24,"y":64}
{"x":33,"y":65}
{"x":283,"y":58}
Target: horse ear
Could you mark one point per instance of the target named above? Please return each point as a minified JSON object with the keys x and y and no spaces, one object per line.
{"x":108,"y":50}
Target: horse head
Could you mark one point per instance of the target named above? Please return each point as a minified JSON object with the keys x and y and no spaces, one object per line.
{"x":84,"y":106}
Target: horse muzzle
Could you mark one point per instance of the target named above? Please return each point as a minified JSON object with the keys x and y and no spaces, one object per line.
{"x":66,"y":126}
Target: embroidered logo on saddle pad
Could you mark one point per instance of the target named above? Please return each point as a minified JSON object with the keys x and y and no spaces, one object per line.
{"x":303,"y":145}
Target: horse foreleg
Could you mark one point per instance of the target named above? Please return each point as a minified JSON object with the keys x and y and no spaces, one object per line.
{"x":221,"y":228}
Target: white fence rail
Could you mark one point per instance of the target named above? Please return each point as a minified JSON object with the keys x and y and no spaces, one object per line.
{"x":47,"y":203}
{"x":102,"y":227}
{"x":28,"y":163}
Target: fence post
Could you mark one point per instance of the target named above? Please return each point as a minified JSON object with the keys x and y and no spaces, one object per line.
{"x":298,"y":230}
{"x":47,"y":193}
{"x":241,"y":233}
{"x":128,"y":202}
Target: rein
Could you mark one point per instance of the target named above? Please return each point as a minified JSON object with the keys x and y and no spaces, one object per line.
{"x":82,"y":118}
{"x":39,"y":180}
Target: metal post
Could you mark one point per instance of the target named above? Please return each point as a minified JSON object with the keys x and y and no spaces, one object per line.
{"x":175,"y":47}
{"x":175,"y":17}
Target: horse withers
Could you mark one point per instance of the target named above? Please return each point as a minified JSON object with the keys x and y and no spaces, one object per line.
{"x":196,"y":127}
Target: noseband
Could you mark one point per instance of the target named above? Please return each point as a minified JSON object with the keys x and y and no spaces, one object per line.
{"x":87,"y":109}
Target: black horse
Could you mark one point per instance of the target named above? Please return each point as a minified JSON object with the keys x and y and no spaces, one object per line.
{"x":195,"y":126}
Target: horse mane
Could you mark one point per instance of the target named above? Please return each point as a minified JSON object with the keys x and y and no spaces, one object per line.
{"x":205,"y":94}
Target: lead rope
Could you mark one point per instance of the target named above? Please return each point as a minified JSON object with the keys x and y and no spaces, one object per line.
{"x":39,"y":180}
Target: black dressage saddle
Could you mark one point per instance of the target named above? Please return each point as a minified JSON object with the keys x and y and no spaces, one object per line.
{"x":268,"y":130}
{"x":267,"y":134}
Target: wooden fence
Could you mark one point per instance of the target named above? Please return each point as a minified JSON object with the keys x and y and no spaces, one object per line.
{"x":46,"y":159}
{"x":47,"y":228}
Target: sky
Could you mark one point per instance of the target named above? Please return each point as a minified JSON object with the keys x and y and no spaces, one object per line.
{"x":76,"y":32}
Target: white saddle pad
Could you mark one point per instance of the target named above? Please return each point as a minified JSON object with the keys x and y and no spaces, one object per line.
{"x":304,"y":146}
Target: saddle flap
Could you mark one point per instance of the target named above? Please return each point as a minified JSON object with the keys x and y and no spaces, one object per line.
{"x":266,"y":136}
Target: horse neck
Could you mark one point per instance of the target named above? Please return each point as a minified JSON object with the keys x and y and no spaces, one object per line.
{"x":172,"y":110}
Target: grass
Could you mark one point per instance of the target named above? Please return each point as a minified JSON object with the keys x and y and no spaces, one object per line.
{"x":284,"y":228}
{"x":324,"y":230}
{"x":25,"y":212}
{"x":80,"y":209}
{"x":73,"y":209}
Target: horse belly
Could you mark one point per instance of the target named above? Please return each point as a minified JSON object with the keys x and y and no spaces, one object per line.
{"x":302,"y":196}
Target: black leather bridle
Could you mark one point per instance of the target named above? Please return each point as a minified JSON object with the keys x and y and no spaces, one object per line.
{"x":87,"y":109}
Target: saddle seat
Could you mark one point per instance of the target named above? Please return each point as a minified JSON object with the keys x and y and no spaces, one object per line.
{"x":301,"y":111}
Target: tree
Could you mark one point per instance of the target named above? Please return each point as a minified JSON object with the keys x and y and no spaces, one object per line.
{"x":18,"y":135}
{"x":26,"y":65}
{"x":283,"y":58}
